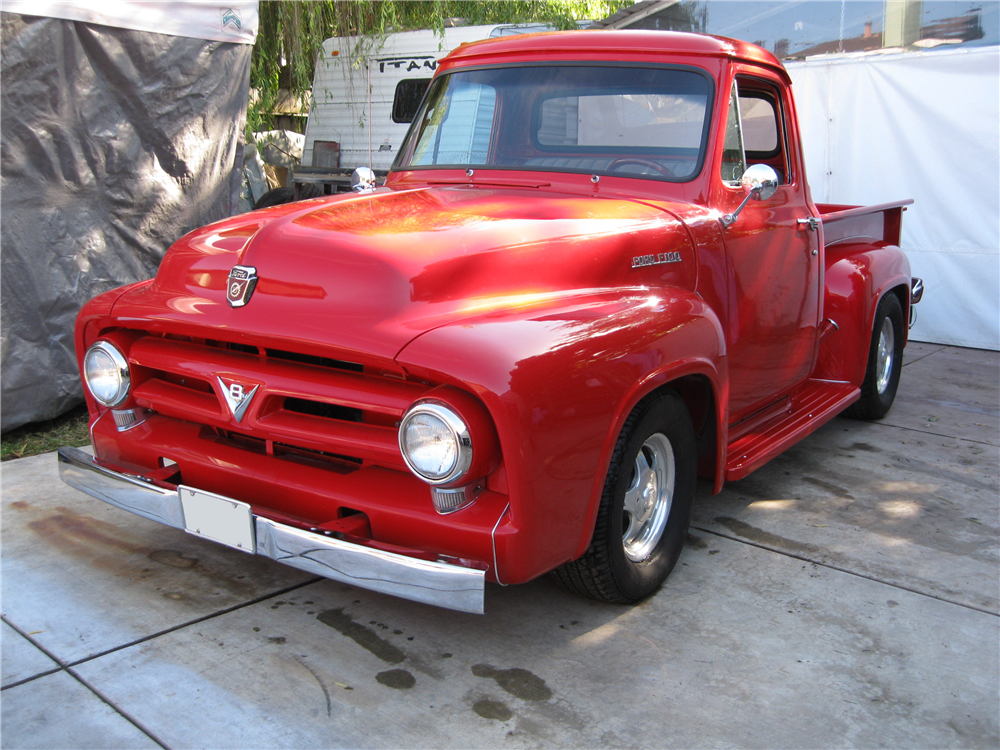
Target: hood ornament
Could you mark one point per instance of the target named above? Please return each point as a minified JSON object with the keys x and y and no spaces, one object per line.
{"x":237,"y":397}
{"x":241,"y":283}
{"x":363,"y":180}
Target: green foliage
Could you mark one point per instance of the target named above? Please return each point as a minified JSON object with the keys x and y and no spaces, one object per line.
{"x":291,"y":33}
{"x":41,"y":437}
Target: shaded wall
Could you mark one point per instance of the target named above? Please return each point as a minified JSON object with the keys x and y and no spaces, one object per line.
{"x":113,"y":143}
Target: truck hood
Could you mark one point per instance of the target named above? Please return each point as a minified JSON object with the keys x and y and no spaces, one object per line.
{"x":363,"y":275}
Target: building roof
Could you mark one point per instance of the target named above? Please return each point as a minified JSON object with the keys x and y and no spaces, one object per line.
{"x":633,"y":14}
{"x":854,"y":44}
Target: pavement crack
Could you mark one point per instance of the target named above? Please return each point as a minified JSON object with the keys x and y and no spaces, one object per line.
{"x":61,"y":664}
{"x":196,"y":621}
{"x":68,"y":670}
{"x":118,"y":710}
{"x":930,"y":434}
{"x":33,"y":677}
{"x":839,"y":569}
{"x":925,"y":356}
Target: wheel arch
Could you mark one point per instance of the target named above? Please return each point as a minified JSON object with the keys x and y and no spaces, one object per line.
{"x":700,"y":387}
{"x":857,"y":277}
{"x":902,"y":292}
{"x":884,"y":365}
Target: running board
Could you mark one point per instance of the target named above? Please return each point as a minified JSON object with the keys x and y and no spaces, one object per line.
{"x":813,"y":405}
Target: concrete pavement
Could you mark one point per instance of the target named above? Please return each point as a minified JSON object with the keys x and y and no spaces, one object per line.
{"x":846,"y":594}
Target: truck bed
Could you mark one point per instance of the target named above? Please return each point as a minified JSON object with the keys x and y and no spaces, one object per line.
{"x":880,"y":223}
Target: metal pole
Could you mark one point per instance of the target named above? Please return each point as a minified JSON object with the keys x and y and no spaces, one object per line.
{"x":841,"y":45}
{"x":369,"y":67}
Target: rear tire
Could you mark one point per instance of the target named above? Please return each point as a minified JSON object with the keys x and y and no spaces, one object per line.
{"x":645,"y":507}
{"x":885,"y":362}
{"x":280,"y":195}
{"x":310,"y":190}
{"x":275,"y":197}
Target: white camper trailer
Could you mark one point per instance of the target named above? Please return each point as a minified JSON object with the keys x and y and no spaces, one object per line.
{"x":364,"y":99}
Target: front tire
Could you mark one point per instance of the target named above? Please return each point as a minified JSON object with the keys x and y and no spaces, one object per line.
{"x":645,"y":507}
{"x":885,"y":362}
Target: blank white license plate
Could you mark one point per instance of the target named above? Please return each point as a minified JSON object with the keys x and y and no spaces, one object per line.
{"x":218,"y":518}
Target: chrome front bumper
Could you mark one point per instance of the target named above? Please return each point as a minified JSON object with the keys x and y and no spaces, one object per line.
{"x":442,"y":584}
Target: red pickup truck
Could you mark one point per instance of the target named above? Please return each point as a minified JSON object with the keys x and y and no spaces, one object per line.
{"x":594,"y":273}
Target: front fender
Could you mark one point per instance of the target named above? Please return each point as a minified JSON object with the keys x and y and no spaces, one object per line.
{"x":857,"y":276}
{"x":559,"y":382}
{"x":91,"y":321}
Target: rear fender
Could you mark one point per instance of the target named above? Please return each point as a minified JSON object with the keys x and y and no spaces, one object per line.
{"x":559,"y":384}
{"x":857,"y":277}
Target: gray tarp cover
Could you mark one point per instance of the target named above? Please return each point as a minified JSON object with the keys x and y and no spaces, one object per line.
{"x":113,"y":143}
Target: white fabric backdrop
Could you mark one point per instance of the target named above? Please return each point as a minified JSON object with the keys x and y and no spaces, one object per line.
{"x":880,"y":127}
{"x":232,"y":21}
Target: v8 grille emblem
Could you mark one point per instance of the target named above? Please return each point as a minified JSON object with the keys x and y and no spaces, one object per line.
{"x":237,"y":397}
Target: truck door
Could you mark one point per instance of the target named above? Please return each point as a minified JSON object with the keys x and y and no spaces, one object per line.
{"x":774,"y":262}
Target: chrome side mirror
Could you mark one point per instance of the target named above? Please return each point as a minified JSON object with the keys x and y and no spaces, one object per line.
{"x":363,"y":180}
{"x":759,"y":182}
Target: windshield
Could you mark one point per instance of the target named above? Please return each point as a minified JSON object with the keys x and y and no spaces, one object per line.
{"x":633,"y":122}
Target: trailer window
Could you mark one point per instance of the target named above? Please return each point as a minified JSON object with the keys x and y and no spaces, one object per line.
{"x":406,"y":101}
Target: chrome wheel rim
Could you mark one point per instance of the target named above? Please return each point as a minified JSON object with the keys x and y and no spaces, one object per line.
{"x":886,"y":355}
{"x":648,"y":498}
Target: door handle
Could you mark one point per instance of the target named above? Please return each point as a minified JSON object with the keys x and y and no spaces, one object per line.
{"x":811,"y":222}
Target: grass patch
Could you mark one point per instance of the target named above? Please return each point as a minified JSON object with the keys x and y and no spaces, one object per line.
{"x":41,"y":437}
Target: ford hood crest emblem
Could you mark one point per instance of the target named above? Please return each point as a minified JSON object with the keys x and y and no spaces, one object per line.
{"x":241,"y":283}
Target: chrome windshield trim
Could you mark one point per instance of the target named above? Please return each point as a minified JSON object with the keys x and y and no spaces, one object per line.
{"x":442,"y":584}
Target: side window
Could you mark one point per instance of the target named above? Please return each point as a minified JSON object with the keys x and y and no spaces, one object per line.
{"x":761,"y":125}
{"x":734,"y":162}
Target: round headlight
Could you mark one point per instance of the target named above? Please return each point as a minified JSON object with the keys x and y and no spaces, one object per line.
{"x":106,"y":371}
{"x":435,"y":443}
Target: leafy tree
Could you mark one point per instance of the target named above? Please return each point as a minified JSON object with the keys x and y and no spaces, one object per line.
{"x":291,"y":33}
